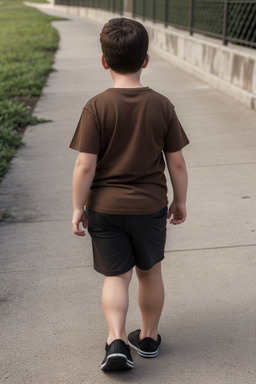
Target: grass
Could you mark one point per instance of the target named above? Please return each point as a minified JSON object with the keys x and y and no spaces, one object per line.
{"x":5,"y":215}
{"x":28,"y":43}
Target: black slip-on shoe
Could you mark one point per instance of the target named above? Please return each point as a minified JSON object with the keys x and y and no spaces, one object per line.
{"x":146,"y":347}
{"x":118,"y":356}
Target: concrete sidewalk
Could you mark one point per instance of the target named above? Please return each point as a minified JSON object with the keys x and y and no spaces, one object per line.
{"x":51,"y":322}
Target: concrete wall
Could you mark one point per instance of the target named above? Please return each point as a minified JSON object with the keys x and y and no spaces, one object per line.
{"x":128,"y":6}
{"x":98,"y":15}
{"x":230,"y":69}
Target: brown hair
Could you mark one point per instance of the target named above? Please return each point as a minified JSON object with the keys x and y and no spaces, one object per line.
{"x":124,"y":44}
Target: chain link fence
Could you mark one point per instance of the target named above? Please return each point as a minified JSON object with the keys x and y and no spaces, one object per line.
{"x":230,"y":20}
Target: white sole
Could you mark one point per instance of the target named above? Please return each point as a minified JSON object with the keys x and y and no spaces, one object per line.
{"x":144,"y":353}
{"x":123,"y":359}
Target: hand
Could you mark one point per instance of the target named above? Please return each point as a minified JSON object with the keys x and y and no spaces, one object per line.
{"x":177,"y":213}
{"x":79,"y":216}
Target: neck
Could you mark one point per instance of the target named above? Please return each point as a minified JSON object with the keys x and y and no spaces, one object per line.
{"x":131,"y":80}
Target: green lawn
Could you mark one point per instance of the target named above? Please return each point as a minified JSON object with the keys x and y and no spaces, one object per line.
{"x":28,"y":43}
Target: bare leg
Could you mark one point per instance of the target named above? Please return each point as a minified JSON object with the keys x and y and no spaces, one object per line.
{"x":150,"y":299}
{"x":115,"y":301}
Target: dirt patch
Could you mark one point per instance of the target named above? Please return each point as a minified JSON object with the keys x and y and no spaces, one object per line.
{"x":29,"y":103}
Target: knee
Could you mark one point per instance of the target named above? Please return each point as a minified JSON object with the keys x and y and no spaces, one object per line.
{"x":150,"y":273}
{"x":127,"y":276}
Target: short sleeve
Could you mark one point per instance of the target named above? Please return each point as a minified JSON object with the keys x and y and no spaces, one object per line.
{"x":87,"y":135}
{"x":176,"y":138}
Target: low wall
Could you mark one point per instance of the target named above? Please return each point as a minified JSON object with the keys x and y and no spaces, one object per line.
{"x":95,"y":14}
{"x":230,"y":69}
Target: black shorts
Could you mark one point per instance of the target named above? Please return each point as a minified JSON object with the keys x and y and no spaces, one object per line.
{"x":120,"y":242}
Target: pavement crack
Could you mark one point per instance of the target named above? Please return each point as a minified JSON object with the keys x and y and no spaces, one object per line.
{"x":220,"y":165}
{"x":32,"y":221}
{"x":44,"y":270}
{"x":211,"y":248}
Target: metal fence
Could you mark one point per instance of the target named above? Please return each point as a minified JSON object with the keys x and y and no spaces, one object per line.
{"x":230,"y":20}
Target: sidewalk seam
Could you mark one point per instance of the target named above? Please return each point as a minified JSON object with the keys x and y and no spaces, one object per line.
{"x":212,"y":248}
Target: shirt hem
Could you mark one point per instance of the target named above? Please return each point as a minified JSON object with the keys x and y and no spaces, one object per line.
{"x":127,"y":212}
{"x":85,"y":150}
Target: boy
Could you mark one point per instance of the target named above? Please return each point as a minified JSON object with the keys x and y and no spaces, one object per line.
{"x":119,"y":174}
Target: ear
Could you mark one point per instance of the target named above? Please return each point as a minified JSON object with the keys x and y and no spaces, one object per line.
{"x":104,"y":63}
{"x":146,"y":61}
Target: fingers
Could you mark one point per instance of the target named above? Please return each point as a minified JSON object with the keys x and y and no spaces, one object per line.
{"x":176,"y":218}
{"x":177,"y":213}
{"x":77,"y":231}
{"x":177,"y":221}
{"x":79,"y":216}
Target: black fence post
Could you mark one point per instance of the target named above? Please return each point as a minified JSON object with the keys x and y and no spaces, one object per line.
{"x":144,"y":10}
{"x":133,"y":9}
{"x":225,"y":23}
{"x":191,"y":17}
{"x":166,"y":14}
{"x":154,"y":11}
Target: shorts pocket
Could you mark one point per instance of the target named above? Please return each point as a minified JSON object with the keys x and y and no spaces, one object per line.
{"x":157,"y":227}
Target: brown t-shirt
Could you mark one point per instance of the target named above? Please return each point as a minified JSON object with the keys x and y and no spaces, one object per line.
{"x":129,"y":128}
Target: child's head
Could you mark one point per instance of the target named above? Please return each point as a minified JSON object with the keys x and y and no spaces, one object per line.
{"x":124,"y":45}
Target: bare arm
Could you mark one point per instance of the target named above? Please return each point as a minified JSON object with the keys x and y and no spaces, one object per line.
{"x":82,"y":178}
{"x":178,"y":174}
